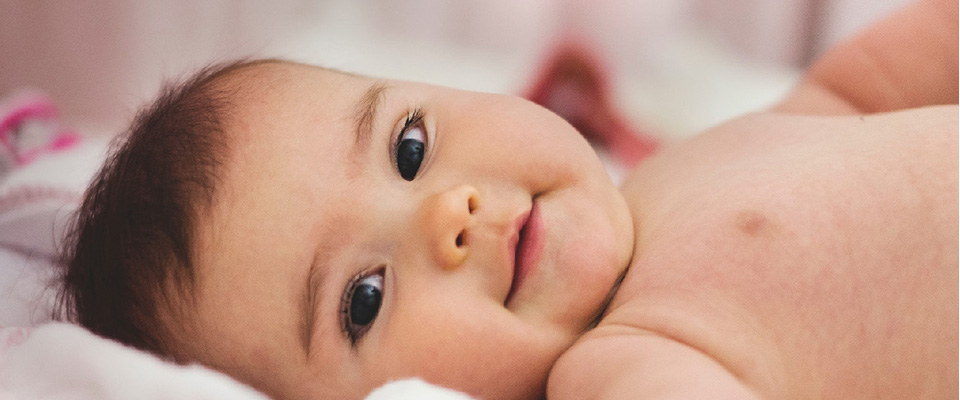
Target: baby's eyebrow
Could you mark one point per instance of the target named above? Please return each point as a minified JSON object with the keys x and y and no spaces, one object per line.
{"x":308,"y":303}
{"x":365,"y":114}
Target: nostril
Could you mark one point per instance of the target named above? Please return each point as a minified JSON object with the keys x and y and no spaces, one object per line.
{"x":472,"y":204}
{"x":460,"y":239}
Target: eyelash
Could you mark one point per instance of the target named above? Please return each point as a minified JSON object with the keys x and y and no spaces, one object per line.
{"x":409,"y":164}
{"x":413,"y":118}
{"x":354,"y":336}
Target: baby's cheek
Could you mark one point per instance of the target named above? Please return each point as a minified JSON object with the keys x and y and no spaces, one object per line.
{"x":479,"y":355}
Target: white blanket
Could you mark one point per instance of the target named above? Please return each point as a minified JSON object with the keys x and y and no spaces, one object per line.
{"x":64,"y":361}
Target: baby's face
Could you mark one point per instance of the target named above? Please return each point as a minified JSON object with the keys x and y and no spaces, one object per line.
{"x":368,"y":230}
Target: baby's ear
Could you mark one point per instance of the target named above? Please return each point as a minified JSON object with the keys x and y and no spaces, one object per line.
{"x":573,"y":83}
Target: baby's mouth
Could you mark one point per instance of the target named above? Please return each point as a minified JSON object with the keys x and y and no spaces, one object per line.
{"x":527,"y":247}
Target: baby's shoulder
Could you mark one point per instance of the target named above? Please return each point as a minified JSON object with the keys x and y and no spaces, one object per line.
{"x":765,"y":236}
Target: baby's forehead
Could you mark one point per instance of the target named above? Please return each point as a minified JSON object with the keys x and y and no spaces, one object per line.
{"x":278,"y":92}
{"x":281,"y":112}
{"x":267,"y":82}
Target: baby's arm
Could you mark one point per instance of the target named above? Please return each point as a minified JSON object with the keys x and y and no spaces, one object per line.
{"x":641,"y":366}
{"x":907,"y":60}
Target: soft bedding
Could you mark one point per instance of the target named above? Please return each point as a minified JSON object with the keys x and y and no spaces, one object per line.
{"x":57,"y":361}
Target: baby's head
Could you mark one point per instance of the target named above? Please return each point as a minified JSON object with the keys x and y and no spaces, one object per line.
{"x":315,"y":233}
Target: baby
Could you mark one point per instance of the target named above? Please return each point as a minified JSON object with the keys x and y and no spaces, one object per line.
{"x":316,"y":234}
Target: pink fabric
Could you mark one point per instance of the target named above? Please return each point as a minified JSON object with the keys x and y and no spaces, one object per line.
{"x":26,"y":106}
{"x":10,"y":337}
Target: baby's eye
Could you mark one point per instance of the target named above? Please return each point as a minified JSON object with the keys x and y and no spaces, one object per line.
{"x":410,"y":146}
{"x":361,"y":304}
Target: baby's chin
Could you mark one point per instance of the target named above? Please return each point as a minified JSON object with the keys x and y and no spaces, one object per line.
{"x":589,"y":257}
{"x":614,"y":250}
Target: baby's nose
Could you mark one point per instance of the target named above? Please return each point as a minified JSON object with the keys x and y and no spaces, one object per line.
{"x":446,"y":218}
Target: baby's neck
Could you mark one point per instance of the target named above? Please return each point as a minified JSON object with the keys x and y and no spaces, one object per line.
{"x":606,"y":301}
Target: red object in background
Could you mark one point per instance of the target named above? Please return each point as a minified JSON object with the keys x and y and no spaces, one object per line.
{"x":573,"y":83}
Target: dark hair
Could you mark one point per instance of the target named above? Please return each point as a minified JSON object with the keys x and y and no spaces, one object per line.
{"x":133,"y":238}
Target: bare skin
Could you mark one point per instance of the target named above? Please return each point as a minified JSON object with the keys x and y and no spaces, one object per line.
{"x":837,"y":283}
{"x":805,"y":252}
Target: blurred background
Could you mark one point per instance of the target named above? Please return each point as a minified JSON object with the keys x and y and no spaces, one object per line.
{"x":676,"y":66}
